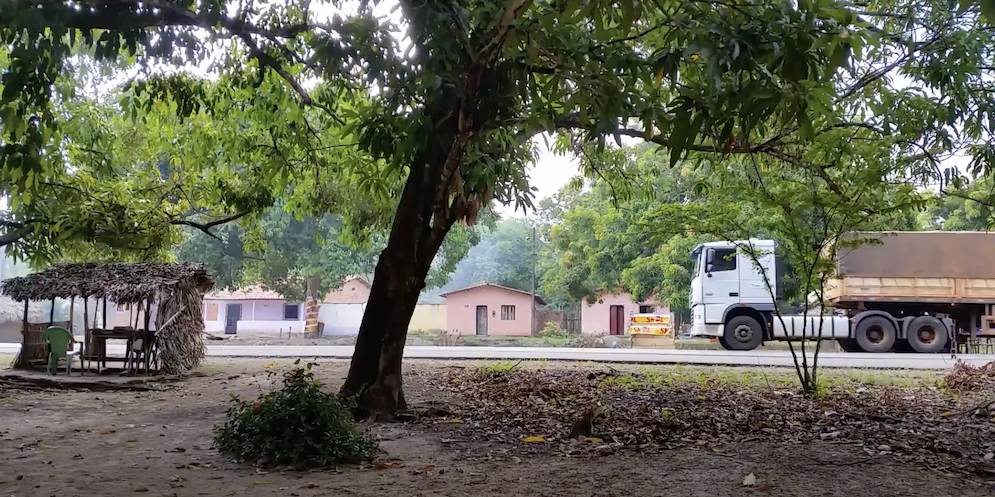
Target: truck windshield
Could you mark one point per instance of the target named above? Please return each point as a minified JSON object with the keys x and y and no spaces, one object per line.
{"x":694,"y":260}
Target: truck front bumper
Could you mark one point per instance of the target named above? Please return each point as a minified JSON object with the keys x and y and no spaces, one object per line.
{"x":706,"y":330}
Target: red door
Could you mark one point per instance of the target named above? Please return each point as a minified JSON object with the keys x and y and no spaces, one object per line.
{"x":616,"y":320}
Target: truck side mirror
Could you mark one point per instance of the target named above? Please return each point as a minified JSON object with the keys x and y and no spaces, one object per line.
{"x":709,"y":260}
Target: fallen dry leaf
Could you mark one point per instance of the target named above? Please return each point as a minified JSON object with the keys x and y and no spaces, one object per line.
{"x":591,"y":440}
{"x":534,"y":440}
{"x":380,"y":465}
{"x":259,"y":482}
{"x":453,"y":421}
{"x":766,"y":489}
{"x":750,"y":480}
{"x":650,"y":413}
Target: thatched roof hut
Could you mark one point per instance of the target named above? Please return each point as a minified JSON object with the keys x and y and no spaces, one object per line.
{"x":176,"y":289}
{"x":121,"y":282}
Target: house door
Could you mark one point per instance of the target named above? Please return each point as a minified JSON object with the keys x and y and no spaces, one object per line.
{"x":616,"y":320}
{"x":233,"y":314}
{"x":481,"y":319}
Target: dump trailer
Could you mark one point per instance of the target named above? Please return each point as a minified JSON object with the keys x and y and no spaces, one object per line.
{"x":893,"y":291}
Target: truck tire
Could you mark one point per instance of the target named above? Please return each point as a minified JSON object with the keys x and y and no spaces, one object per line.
{"x":927,"y":335}
{"x":876,"y":334}
{"x":743,"y":333}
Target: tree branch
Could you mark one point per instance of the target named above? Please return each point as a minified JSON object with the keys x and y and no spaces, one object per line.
{"x":206,"y":227}
{"x":500,"y":32}
{"x":125,"y":15}
{"x":13,"y":236}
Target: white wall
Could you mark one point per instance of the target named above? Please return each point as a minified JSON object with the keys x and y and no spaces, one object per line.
{"x":258,"y":316}
{"x":341,"y":319}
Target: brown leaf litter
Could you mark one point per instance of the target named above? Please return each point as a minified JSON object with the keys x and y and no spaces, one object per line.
{"x":939,"y":429}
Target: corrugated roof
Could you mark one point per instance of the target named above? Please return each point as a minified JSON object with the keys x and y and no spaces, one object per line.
{"x":539,"y":299}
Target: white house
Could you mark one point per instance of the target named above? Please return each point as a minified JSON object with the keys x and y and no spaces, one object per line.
{"x":251,"y":309}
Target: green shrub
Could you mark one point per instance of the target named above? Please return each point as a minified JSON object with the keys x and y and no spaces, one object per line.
{"x":499,"y":368}
{"x":553,"y":330}
{"x":297,"y":425}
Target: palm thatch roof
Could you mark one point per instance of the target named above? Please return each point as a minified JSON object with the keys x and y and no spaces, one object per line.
{"x":13,"y":311}
{"x":121,"y":282}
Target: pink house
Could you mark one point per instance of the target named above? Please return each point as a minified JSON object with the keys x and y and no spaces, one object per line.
{"x":609,"y":315}
{"x":354,"y":290}
{"x":489,"y":309}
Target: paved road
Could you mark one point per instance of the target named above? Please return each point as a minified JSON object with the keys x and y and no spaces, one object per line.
{"x":715,"y":357}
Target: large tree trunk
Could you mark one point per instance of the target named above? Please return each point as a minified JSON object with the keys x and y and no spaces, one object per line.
{"x":375,"y":373}
{"x":434,"y":198}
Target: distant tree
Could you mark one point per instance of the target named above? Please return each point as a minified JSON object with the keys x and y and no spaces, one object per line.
{"x":281,"y":252}
{"x":598,"y":243}
{"x":967,"y":208}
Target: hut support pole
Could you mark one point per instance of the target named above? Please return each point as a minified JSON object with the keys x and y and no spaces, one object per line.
{"x":51,"y":314}
{"x":22,"y":357}
{"x":86,"y":333}
{"x":149,"y":343}
{"x":103,"y":352}
{"x":138,"y":314}
{"x":72,"y":332}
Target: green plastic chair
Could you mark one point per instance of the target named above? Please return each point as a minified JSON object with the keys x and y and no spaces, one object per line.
{"x":58,"y":340}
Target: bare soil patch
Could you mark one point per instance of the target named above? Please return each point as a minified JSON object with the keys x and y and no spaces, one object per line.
{"x":159,"y":442}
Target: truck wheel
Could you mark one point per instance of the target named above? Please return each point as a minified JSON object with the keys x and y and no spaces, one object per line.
{"x":743,"y":333}
{"x":927,"y":335}
{"x":875,"y":334}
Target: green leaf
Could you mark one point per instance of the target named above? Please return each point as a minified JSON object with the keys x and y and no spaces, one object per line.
{"x":805,"y":124}
{"x":679,"y":134}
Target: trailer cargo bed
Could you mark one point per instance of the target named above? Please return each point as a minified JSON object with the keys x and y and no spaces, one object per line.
{"x":930,"y":267}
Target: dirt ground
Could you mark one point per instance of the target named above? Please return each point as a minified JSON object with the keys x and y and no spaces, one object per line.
{"x":159,"y":443}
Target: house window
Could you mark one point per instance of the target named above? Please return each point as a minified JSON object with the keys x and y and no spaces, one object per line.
{"x":291,"y":311}
{"x":647,"y":309}
{"x":212,"y":311}
{"x":507,"y":313}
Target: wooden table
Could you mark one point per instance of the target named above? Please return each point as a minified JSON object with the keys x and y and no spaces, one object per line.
{"x":96,"y":348}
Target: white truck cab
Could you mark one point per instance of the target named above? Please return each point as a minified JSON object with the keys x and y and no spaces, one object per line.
{"x":730,"y":299}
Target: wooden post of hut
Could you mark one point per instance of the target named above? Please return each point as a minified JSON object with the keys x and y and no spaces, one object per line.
{"x":148,"y":341}
{"x":86,"y":334}
{"x":22,"y":357}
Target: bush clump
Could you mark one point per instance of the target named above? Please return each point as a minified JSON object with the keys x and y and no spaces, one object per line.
{"x":297,"y":425}
{"x":554,"y":330}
